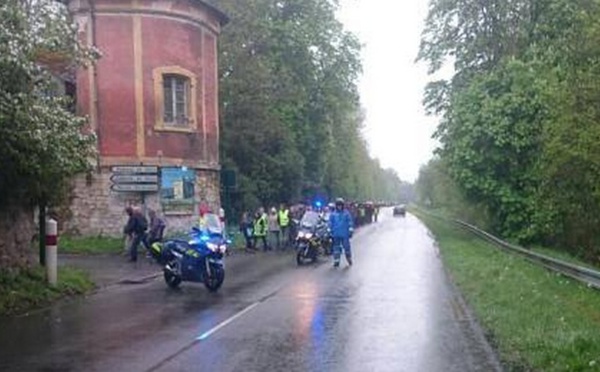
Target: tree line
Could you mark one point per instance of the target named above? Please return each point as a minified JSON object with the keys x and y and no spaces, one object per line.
{"x":291,"y":118}
{"x":519,"y":133}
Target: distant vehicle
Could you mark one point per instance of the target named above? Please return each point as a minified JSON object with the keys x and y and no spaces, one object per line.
{"x":400,"y":210}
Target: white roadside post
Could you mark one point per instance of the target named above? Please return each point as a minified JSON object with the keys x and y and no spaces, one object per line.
{"x":51,"y":251}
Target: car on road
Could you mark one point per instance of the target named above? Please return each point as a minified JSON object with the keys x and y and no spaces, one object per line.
{"x":400,"y":210}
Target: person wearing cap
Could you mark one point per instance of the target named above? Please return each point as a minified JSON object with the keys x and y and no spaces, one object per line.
{"x":342,"y":228}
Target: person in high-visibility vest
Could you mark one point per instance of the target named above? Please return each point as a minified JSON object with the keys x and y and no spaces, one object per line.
{"x":260,"y":229}
{"x":284,"y":224}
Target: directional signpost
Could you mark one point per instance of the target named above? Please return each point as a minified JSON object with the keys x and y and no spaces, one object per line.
{"x":134,"y":178}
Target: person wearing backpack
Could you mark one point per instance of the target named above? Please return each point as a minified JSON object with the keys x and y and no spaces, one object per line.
{"x":136,"y":227}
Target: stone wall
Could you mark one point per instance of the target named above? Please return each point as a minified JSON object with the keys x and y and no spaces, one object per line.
{"x":96,"y":210}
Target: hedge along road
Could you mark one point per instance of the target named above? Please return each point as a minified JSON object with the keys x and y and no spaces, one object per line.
{"x":394,"y":310}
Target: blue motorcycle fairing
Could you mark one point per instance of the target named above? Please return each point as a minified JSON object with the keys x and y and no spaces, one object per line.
{"x":195,"y":254}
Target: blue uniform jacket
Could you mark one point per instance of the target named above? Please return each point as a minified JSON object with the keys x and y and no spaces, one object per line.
{"x":341,"y":224}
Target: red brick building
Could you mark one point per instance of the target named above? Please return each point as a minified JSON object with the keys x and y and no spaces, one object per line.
{"x":152,"y":99}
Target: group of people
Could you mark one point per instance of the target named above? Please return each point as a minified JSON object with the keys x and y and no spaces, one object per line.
{"x":273,"y":230}
{"x":277,"y":229}
{"x":139,"y":231}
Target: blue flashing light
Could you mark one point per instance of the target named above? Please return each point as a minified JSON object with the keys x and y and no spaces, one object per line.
{"x":318,"y":204}
{"x":204,"y":238}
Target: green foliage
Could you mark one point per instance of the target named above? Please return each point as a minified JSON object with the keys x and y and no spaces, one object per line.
{"x":519,"y":133}
{"x":42,"y":144}
{"x":290,"y":116}
{"x":537,"y":320}
{"x":29,"y":289}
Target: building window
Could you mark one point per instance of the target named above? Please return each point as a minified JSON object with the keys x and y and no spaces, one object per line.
{"x":175,"y":99}
{"x":178,"y":190}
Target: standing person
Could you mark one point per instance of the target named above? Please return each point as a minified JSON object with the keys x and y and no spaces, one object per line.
{"x":203,"y":210}
{"x":260,"y":229}
{"x":157,"y":228}
{"x":222,"y":218}
{"x":274,"y":229}
{"x":284,"y":224}
{"x":246,"y":229}
{"x":136,"y":227}
{"x":342,"y":228}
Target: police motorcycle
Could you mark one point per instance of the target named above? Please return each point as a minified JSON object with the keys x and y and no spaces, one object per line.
{"x":196,"y":259}
{"x":309,"y":238}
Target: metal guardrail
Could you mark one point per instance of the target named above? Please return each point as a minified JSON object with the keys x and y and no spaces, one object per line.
{"x":587,"y":276}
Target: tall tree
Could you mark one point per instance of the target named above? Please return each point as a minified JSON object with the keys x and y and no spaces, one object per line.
{"x":42,"y":144}
{"x":291,"y":116}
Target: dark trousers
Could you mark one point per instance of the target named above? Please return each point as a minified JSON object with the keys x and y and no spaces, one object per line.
{"x":249,"y":241}
{"x":286,"y":236}
{"x":135,"y":242}
{"x":264,"y":241}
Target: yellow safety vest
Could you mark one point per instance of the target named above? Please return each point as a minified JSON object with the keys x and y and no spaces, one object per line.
{"x":260,"y":226}
{"x":284,"y":218}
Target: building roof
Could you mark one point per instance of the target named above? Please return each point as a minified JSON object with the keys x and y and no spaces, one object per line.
{"x":223,"y":18}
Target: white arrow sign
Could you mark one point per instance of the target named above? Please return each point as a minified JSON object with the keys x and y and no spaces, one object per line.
{"x":135,"y":169}
{"x":136,"y":187}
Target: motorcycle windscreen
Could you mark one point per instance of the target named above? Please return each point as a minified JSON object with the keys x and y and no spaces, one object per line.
{"x":309,"y":220}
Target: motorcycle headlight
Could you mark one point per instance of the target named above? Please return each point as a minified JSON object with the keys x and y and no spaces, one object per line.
{"x":301,"y":234}
{"x":212,"y":247}
{"x":308,"y":235}
{"x":223,"y":248}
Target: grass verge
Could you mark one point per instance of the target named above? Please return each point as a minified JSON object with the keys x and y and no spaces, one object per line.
{"x":29,"y":290}
{"x":90,"y":245}
{"x":538,"y":320}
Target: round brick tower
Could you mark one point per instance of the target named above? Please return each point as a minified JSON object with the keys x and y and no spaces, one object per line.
{"x":152,"y":99}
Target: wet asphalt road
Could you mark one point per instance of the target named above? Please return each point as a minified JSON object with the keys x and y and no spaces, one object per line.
{"x":394,"y":310}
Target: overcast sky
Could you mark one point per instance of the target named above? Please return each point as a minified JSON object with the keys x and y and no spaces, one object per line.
{"x":391,"y":88}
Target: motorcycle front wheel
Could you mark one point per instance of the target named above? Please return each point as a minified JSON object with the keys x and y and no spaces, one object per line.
{"x":171,"y":279}
{"x":214,"y":281}
{"x":300,"y":257}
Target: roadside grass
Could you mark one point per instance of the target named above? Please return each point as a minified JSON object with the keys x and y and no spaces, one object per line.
{"x":90,"y":244}
{"x":537,"y":320}
{"x":29,"y":290}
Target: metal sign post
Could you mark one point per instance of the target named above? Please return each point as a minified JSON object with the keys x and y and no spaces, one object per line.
{"x":136,"y":179}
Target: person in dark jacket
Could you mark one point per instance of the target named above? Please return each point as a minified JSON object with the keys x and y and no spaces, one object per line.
{"x":136,"y":227}
{"x":246,"y":228}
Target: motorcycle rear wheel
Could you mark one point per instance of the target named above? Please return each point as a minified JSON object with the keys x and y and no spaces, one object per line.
{"x":214,"y":281}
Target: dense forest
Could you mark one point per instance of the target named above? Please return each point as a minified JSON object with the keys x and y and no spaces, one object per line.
{"x":520,"y":131}
{"x":290,"y":113}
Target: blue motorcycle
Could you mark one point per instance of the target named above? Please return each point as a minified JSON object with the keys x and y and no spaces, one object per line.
{"x":197,"y":259}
